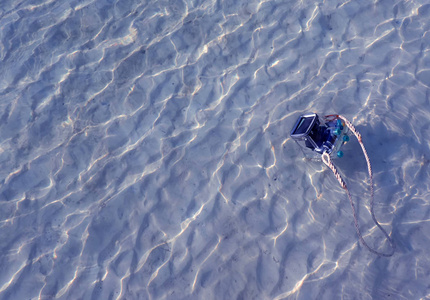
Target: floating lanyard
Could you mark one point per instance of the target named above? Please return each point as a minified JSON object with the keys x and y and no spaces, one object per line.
{"x":327,"y":160}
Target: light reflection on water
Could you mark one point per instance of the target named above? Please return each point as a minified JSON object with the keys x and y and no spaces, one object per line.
{"x":145,"y":150}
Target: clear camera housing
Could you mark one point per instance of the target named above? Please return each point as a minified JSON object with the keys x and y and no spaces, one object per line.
{"x":320,"y":135}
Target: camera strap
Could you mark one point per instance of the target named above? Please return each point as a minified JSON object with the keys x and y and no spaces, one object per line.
{"x":327,"y":160}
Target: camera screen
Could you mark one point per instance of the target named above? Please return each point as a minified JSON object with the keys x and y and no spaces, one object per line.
{"x":303,"y":125}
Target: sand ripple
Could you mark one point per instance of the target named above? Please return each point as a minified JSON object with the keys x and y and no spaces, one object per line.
{"x":145,"y":151}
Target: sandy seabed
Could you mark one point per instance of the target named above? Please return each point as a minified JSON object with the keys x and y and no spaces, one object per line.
{"x":145,"y":149}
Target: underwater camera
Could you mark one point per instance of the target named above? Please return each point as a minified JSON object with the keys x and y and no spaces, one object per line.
{"x":325,"y":137}
{"x":320,"y":135}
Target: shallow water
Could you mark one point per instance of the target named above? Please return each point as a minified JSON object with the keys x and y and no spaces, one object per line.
{"x":145,"y":150}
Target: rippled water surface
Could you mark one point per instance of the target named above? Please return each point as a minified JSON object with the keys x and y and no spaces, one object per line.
{"x":145,"y":149}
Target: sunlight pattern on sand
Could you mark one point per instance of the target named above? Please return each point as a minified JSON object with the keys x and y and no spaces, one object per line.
{"x":145,"y":150}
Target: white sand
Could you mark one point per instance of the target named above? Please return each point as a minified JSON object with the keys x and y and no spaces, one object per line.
{"x":145,"y":150}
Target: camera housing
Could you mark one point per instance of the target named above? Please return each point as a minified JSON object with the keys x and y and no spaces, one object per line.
{"x":320,"y":135}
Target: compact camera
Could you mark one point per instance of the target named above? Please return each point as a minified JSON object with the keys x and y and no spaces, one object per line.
{"x":320,"y":135}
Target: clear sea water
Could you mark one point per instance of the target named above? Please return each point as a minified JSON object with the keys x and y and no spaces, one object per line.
{"x":145,"y":149}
